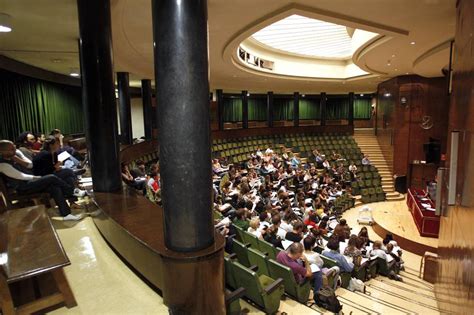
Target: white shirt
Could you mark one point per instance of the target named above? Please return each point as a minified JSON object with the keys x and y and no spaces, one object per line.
{"x":314,"y":258}
{"x":286,"y":226}
{"x":9,"y":171}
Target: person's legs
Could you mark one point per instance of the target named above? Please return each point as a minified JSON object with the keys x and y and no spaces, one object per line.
{"x":317,"y":281}
{"x":67,"y":175}
{"x":51,"y":184}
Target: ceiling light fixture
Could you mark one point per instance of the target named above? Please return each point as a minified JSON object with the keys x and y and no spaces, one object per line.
{"x":248,"y":94}
{"x":5,"y":25}
{"x":393,"y":56}
{"x":412,"y":43}
{"x":302,"y":95}
{"x":361,"y":94}
{"x":74,"y":73}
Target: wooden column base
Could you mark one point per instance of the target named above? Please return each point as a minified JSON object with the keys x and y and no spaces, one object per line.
{"x":194,"y":283}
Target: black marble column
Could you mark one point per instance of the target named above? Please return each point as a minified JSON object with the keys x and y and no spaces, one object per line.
{"x":296,"y":109}
{"x":220,"y":108}
{"x":245,"y":109}
{"x":147,"y":109}
{"x":323,"y":109}
{"x":270,"y":109}
{"x":125,"y":110}
{"x":182,"y":91}
{"x":351,"y":108}
{"x":98,"y":94}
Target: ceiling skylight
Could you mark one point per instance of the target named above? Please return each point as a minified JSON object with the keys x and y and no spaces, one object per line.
{"x":305,"y":36}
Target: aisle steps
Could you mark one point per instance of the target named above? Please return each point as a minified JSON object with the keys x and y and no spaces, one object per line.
{"x":367,"y":142}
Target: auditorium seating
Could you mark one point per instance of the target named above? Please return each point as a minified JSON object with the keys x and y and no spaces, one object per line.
{"x":238,"y":150}
{"x":298,"y":291}
{"x":12,"y":199}
{"x":264,"y":291}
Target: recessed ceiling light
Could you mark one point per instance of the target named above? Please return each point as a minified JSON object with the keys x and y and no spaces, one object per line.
{"x":393,"y":56}
{"x":5,"y":26}
{"x":396,"y":69}
{"x":302,"y":95}
{"x":407,"y":72}
{"x":57,"y":60}
{"x":248,"y":94}
{"x":389,"y":64}
{"x":412,"y":43}
{"x":361,"y":94}
{"x":74,"y":74}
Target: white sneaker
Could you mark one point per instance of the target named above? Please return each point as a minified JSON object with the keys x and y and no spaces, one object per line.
{"x":72,"y":217}
{"x":79,"y":193}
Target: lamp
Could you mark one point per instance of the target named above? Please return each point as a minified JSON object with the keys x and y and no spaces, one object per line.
{"x":5,"y":25}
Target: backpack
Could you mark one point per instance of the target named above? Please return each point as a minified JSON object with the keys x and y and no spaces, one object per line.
{"x":356,"y":285}
{"x":326,"y":298}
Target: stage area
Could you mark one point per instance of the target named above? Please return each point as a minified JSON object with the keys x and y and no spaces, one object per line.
{"x":394,"y":217}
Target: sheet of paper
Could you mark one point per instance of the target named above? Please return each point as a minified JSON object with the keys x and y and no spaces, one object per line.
{"x":63,"y":156}
{"x":286,"y":243}
{"x":314,"y":268}
{"x":85,"y":180}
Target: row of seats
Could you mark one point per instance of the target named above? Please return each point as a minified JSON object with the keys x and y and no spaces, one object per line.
{"x":253,"y":266}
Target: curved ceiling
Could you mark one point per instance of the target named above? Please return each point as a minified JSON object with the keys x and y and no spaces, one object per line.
{"x":45,"y":34}
{"x":300,"y":35}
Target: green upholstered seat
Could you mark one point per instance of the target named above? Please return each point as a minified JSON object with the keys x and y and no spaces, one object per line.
{"x":299,"y":291}
{"x":262,"y":290}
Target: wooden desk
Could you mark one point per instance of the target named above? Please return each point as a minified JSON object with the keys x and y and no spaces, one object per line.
{"x":426,"y":221}
{"x":29,"y":246}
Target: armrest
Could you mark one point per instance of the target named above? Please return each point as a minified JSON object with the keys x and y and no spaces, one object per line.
{"x":231,"y":296}
{"x":253,"y":268}
{"x":247,"y":245}
{"x":272,"y":287}
{"x":232,"y":256}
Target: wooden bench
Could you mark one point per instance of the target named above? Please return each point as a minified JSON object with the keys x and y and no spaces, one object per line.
{"x":12,"y":199}
{"x":30,"y":247}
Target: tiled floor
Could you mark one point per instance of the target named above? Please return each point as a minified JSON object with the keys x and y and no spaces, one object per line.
{"x":102,"y":283}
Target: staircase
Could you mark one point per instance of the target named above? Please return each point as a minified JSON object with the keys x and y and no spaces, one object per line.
{"x":368,"y":144}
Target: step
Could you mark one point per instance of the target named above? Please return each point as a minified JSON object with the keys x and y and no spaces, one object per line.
{"x":396,"y":198}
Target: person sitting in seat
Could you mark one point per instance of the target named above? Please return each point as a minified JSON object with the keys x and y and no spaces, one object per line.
{"x":254,"y":228}
{"x":297,"y":234}
{"x":29,"y":184}
{"x":342,"y":230}
{"x":40,"y":137}
{"x":46,"y":162}
{"x":74,"y":160}
{"x":365,"y":160}
{"x":333,"y":253}
{"x":378,"y":252}
{"x":25,"y":143}
{"x":272,"y":237}
{"x":352,"y":250}
{"x":295,"y":259}
{"x":314,"y":258}
{"x":241,"y":219}
{"x":128,"y":179}
{"x":364,"y":236}
{"x":139,"y":171}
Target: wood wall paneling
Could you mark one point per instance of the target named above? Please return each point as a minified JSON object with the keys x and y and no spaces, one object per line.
{"x":455,"y":281}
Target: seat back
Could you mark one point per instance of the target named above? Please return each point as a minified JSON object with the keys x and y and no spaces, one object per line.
{"x":259,"y":259}
{"x":266,"y":247}
{"x":240,"y":233}
{"x":241,"y":251}
{"x":249,"y":238}
{"x":229,"y":273}
{"x":278,"y":270}
{"x":248,"y":279}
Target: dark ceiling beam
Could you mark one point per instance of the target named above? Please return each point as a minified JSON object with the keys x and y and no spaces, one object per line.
{"x":37,"y":73}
